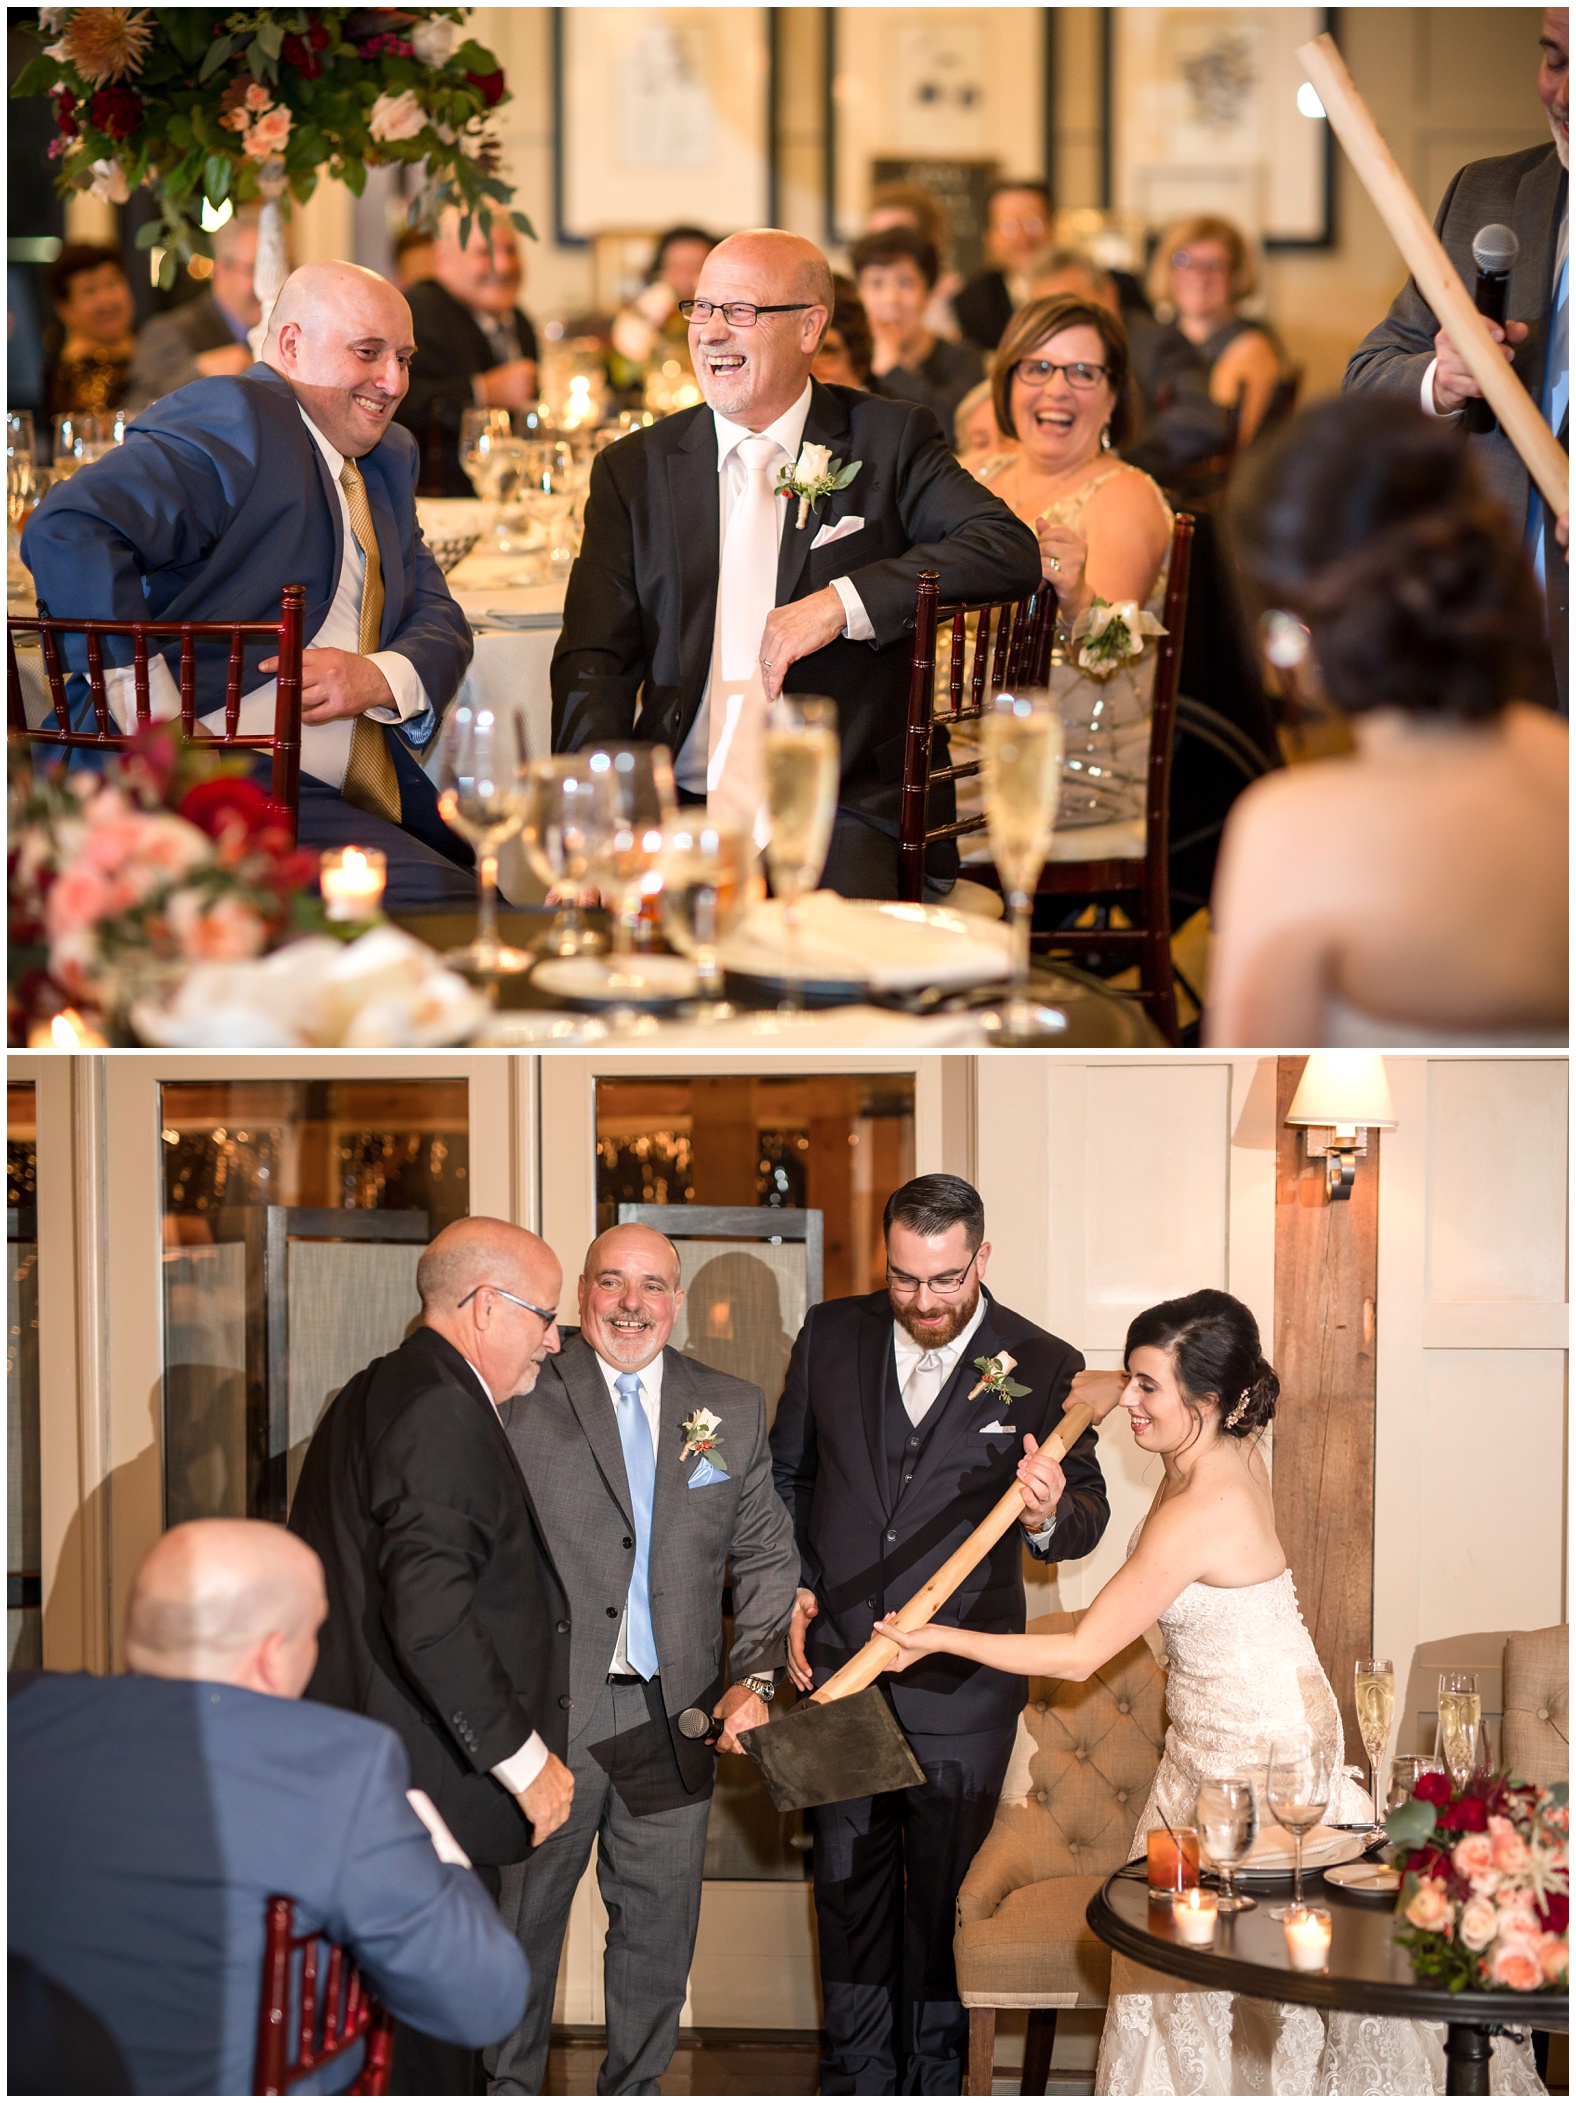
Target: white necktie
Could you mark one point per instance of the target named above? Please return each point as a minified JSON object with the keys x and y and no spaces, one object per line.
{"x":924,"y":1384}
{"x":747,"y":592}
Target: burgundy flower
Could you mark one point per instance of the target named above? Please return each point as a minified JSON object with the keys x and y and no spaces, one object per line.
{"x":230,"y":803}
{"x":317,"y":36}
{"x":1432,"y":1789}
{"x":1472,"y":1815}
{"x":1555,"y":1912}
{"x":300,"y":55}
{"x":488,"y":85}
{"x":65,"y":103}
{"x":116,"y":112}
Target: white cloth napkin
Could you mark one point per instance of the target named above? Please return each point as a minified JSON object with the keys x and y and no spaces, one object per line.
{"x":889,"y":947}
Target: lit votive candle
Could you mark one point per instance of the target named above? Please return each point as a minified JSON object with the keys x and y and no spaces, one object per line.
{"x":1308,"y":1939}
{"x":1194,"y":1913}
{"x":66,"y":1031}
{"x":351,"y":881}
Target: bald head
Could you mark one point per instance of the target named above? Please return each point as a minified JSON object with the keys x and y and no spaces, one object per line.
{"x":473,"y":1279}
{"x":342,"y":337}
{"x":232,"y":1600}
{"x":754,"y":375}
{"x":630,"y":1295}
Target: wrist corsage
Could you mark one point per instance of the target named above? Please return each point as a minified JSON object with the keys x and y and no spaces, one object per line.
{"x":1111,"y":635}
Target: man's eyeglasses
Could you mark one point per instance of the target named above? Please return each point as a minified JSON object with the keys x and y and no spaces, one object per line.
{"x":543,"y":1314}
{"x":946,"y":1287}
{"x":737,"y":313}
{"x":1036,"y":372}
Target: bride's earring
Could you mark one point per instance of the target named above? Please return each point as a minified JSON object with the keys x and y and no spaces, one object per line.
{"x":1105,"y":439}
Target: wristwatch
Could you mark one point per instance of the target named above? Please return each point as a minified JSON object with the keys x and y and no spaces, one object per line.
{"x":761,"y":1684}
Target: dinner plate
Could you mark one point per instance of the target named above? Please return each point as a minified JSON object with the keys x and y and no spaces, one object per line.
{"x":856,"y":949}
{"x":1273,"y":1850}
{"x":649,"y":983}
{"x":1370,"y":1878}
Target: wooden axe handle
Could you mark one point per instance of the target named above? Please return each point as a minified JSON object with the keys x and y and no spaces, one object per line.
{"x":1435,"y":274}
{"x":869,"y":1663}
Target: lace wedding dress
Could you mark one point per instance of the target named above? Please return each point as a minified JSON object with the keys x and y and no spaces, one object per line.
{"x":1242,"y":1668}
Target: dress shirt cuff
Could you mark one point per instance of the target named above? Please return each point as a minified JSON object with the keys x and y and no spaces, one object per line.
{"x":521,"y":1769}
{"x":857,"y":628}
{"x":1038,"y":1536}
{"x":1439,"y":415}
{"x":410,"y":696}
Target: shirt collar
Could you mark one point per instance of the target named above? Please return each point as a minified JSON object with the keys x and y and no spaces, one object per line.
{"x":788,"y":430}
{"x":486,"y":1390}
{"x":649,"y":1376}
{"x":330,"y":453}
{"x":909,"y":1350}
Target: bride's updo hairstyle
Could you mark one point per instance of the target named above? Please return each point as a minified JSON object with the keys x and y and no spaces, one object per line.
{"x":1366,"y":519}
{"x":1213,"y":1342}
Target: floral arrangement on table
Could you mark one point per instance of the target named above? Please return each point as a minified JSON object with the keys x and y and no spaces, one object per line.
{"x":199,"y":102}
{"x":1485,"y":1883}
{"x":1111,"y":635}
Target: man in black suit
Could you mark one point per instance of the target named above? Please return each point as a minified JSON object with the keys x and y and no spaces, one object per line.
{"x":882,"y":1489}
{"x":475,"y":348}
{"x":1017,"y":227}
{"x":680,"y":622}
{"x":1411,"y":356}
{"x":447,"y":1619}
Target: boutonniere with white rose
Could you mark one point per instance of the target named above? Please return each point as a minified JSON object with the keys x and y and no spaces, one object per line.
{"x":1112,"y":636}
{"x":996,"y":1378}
{"x":700,"y":1431}
{"x":815,"y":474}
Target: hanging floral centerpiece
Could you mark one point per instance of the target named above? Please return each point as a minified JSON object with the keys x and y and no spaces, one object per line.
{"x":201,"y":104}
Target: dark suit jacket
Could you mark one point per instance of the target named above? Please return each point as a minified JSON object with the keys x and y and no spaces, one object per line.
{"x":218,"y":499}
{"x":451,"y":349}
{"x":565,"y":1437}
{"x":1525,"y":191}
{"x":168,"y":348}
{"x":635,"y":650}
{"x":984,"y":308}
{"x":152,"y":1819}
{"x":863,"y":1554}
{"x":446,"y":1617}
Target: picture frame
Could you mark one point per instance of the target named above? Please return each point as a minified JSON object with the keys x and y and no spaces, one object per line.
{"x":677,"y":102}
{"x":1203,"y":115}
{"x":952,"y":97}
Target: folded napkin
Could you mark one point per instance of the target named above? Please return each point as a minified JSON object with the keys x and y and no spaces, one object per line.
{"x":1275,"y":1849}
{"x":889,"y":947}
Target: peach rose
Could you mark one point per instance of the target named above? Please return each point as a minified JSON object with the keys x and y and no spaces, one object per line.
{"x":226,"y":932}
{"x":79,"y":898}
{"x":1431,"y":1908}
{"x":1510,"y":1850}
{"x":1473,"y":1858}
{"x":396,"y":116}
{"x":257,"y":97}
{"x":1516,"y":1968}
{"x":1555,"y":1957}
{"x":1518,"y":1923}
{"x":268,"y":136}
{"x":1479,"y":1924}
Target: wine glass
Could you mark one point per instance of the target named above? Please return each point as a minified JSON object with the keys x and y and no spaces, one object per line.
{"x":638,"y":783}
{"x":1227,"y":1819}
{"x":802,"y":757}
{"x":478,"y":429}
{"x":1298,"y":1794}
{"x":1375,"y":1680}
{"x":1405,"y":1771}
{"x":707,"y":865}
{"x":1021,"y":768}
{"x":76,"y":442}
{"x":19,"y":435}
{"x":1460,"y":1714}
{"x":566,"y":810}
{"x":479,"y":759}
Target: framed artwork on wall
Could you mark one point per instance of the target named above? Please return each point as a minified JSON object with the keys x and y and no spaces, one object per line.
{"x":1209,"y":111}
{"x":671,"y":111}
{"x":950,"y":97}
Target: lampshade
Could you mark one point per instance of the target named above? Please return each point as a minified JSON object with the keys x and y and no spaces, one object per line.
{"x":1343,"y":1088}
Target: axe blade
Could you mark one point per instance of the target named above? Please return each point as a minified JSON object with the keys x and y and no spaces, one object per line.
{"x":823,"y":1753}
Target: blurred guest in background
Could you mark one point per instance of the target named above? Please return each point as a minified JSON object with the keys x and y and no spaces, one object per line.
{"x":650,"y":325}
{"x":912,"y":205}
{"x":208,"y":335}
{"x":896,"y":273}
{"x":415,"y":258}
{"x":846,"y":349}
{"x":94,"y":305}
{"x":474,"y":345}
{"x":974,"y":428}
{"x":1017,"y":228}
{"x":1416,"y":891}
{"x":1202,"y":272}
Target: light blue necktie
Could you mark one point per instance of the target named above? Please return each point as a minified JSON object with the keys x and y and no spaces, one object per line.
{"x":640,"y":1465}
{"x":1556,"y":400}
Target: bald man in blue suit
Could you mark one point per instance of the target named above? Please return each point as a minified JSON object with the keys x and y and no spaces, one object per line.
{"x":293,"y":473}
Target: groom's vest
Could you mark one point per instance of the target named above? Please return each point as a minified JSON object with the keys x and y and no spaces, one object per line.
{"x":906,"y":1441}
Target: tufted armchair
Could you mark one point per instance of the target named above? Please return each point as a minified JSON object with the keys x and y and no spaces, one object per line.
{"x":1537,"y":1728}
{"x":1080,"y":1773}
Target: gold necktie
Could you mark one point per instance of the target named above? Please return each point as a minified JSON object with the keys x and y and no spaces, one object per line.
{"x":371,"y":783}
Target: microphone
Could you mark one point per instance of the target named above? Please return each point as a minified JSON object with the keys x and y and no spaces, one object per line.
{"x":1494,"y":250}
{"x":698,"y":1723}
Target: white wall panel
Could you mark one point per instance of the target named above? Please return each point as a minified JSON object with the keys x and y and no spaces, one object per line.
{"x":1496,"y":1214}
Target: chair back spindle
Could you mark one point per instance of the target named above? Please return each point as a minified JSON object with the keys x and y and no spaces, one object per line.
{"x":330,"y":2020}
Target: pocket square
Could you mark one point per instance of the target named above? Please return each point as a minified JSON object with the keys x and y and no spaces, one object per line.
{"x":704,"y":1473}
{"x":994,"y":1426}
{"x":828,"y":534}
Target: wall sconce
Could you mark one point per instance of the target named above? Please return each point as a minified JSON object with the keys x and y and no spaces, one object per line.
{"x":1341,"y":1097}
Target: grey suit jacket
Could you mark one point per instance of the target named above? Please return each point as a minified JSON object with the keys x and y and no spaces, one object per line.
{"x":168,"y":348}
{"x":565,"y":1435}
{"x":1525,"y":191}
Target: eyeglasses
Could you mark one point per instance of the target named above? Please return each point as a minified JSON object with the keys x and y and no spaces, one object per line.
{"x":1019,"y":226}
{"x":549,"y":1315}
{"x":737,"y":313}
{"x":1201,"y":266}
{"x":1036,"y":372}
{"x":946,"y":1287}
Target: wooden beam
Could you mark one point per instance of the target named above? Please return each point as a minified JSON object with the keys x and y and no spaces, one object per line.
{"x":1326,"y":1277}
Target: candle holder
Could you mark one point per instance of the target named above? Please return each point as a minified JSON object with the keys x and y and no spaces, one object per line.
{"x":1308,"y":1938}
{"x":1193,"y":1915}
{"x":351,"y":880}
{"x":1172,"y":1861}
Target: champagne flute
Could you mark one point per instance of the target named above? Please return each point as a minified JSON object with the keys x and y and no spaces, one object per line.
{"x":708,"y":863}
{"x":803,"y":759}
{"x":479,"y":758}
{"x":1298,"y":1793}
{"x":478,"y":429}
{"x":1021,"y":766}
{"x":1375,"y":1678}
{"x":641,"y":801}
{"x":565,"y":813}
{"x":1227,"y":1819}
{"x":1460,"y":1713}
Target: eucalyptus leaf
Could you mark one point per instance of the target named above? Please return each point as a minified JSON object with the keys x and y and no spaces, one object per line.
{"x":523,"y":225}
{"x":216,"y":178}
{"x":167,"y":270}
{"x":148,"y":236}
{"x":218,"y":51}
{"x":271,"y":36}
{"x":1410,"y":1824}
{"x":1012,"y":1390}
{"x":1560,"y":1791}
{"x":841,"y":482}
